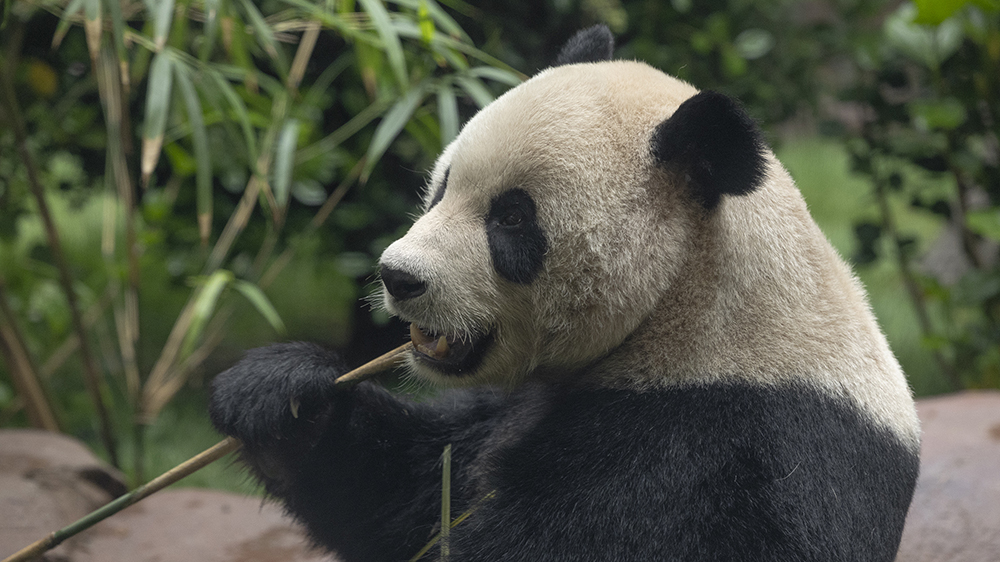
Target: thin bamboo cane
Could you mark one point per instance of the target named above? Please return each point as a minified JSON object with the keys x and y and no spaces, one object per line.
{"x":190,"y":466}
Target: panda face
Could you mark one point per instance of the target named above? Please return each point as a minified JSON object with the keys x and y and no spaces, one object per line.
{"x":549,"y":232}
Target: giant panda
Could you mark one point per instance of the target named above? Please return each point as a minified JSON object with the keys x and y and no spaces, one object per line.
{"x":653,"y":351}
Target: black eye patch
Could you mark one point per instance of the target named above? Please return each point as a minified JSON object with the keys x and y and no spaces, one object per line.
{"x":440,"y":190}
{"x":517,"y":243}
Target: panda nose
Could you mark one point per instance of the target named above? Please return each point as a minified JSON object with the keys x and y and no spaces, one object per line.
{"x":402,"y":285}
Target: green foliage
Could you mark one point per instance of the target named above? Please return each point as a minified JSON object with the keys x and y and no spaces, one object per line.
{"x":194,"y":149}
{"x":774,"y":56}
{"x":930,"y":95}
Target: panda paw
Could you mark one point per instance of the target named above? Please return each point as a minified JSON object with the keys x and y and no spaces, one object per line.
{"x":278,"y":398}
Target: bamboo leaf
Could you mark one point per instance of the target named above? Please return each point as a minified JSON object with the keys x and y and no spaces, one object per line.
{"x":92,"y":27}
{"x":496,"y":74}
{"x":393,"y":122}
{"x":210,"y":28}
{"x":476,"y":90}
{"x":199,"y":138}
{"x":259,"y":300}
{"x":204,"y":306}
{"x":237,"y":46}
{"x":118,"y":34}
{"x":66,"y":21}
{"x":444,"y":41}
{"x":157,"y":108}
{"x":393,"y":48}
{"x":163,"y":14}
{"x":426,"y":23}
{"x":284,"y":161}
{"x":236,"y":103}
{"x":447,"y":113}
{"x":178,"y":35}
{"x":440,"y":16}
{"x":333,"y":140}
{"x":343,"y":21}
{"x":321,"y":85}
{"x":265,"y":36}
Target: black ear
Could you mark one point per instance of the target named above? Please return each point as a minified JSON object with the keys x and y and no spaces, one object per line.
{"x":715,"y":144}
{"x":594,"y":44}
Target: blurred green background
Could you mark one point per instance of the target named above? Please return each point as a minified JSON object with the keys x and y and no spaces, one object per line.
{"x":183,"y":180}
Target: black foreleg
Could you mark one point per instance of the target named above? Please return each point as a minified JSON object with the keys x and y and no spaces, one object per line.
{"x":359,"y":468}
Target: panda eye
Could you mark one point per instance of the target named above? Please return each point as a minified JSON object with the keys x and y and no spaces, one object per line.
{"x":511,"y":211}
{"x":513,"y":217}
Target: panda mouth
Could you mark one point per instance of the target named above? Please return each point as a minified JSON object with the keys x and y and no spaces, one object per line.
{"x":450,"y":354}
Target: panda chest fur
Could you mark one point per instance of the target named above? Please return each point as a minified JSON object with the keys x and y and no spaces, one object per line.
{"x":758,"y":473}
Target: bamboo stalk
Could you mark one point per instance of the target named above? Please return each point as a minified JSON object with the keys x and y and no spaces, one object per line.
{"x":454,"y":523}
{"x":186,"y":468}
{"x":22,"y":369}
{"x":445,"y":534}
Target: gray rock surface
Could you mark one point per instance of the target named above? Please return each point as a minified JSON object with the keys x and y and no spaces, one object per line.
{"x":48,"y":481}
{"x":185,"y":525}
{"x":955,"y":515}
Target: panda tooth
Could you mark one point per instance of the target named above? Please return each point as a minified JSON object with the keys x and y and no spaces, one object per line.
{"x":441,"y":349}
{"x":438,"y":349}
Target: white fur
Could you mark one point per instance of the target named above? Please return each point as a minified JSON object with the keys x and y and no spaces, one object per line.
{"x":641,"y":287}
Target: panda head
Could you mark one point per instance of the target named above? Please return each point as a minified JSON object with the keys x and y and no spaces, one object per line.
{"x":561,"y":215}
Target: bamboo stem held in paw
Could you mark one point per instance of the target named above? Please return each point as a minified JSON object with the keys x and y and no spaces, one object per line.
{"x":190,"y":466}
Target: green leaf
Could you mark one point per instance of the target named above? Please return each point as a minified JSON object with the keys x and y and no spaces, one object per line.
{"x":320,"y":87}
{"x":157,"y":109}
{"x":65,"y":21}
{"x":933,"y":12}
{"x":284,"y":161}
{"x":93,"y":27}
{"x":476,"y":90}
{"x":985,"y":222}
{"x":927,"y":45}
{"x":237,"y":105}
{"x":754,"y":43}
{"x":259,"y":300}
{"x":439,"y":15}
{"x":181,"y":162}
{"x":330,"y":142}
{"x":163,"y":14}
{"x":204,"y":306}
{"x":944,"y":114}
{"x":199,"y":138}
{"x":265,"y":36}
{"x":447,"y":114}
{"x":118,"y":31}
{"x":496,"y":74}
{"x":210,"y":28}
{"x":392,"y":123}
{"x":390,"y":39}
{"x":426,"y":23}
